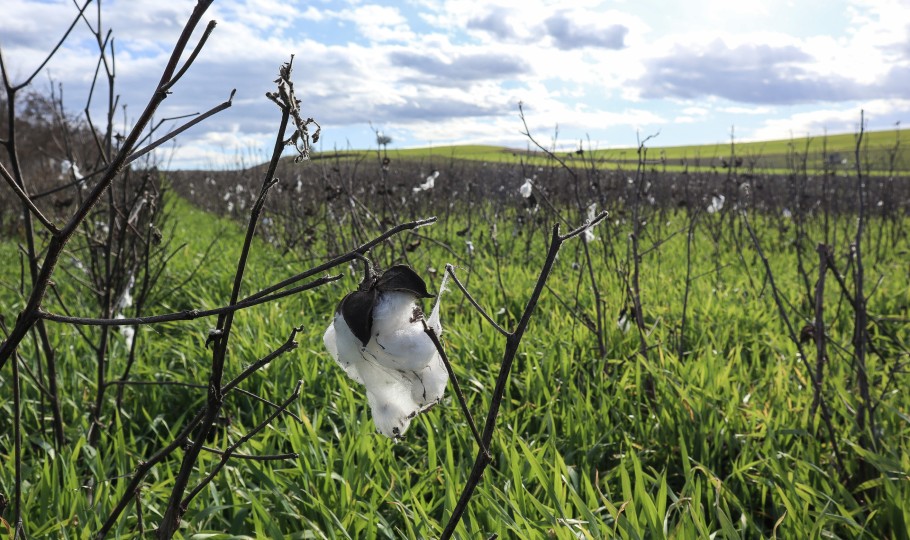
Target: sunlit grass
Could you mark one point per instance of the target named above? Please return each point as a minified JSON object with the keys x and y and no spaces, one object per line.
{"x":725,"y":444}
{"x":834,"y":153}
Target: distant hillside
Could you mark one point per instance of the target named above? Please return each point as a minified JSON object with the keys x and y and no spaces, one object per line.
{"x":882,"y":151}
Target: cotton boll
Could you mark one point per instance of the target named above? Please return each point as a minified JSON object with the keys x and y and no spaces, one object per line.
{"x":433,"y":320}
{"x":592,"y":211}
{"x":429,"y":383}
{"x":400,"y":367}
{"x":429,"y":183}
{"x":390,"y":396}
{"x":126,"y":297}
{"x":344,"y":347}
{"x":526,"y":188}
{"x":134,"y":214}
{"x":717,"y":204}
{"x":398,"y":339}
{"x":330,"y":340}
{"x":128,"y":332}
{"x":395,"y":395}
{"x":624,"y":323}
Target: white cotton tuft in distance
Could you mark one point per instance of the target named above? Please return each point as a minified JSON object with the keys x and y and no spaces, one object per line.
{"x":526,"y":188}
{"x":717,"y":204}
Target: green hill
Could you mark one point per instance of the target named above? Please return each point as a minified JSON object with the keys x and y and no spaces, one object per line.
{"x":882,"y":152}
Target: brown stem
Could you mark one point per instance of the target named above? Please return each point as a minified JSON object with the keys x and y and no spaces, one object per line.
{"x":826,"y":412}
{"x":821,"y":354}
{"x":181,"y":438}
{"x":461,"y":400}
{"x":186,"y":315}
{"x":175,"y":507}
{"x":30,"y":314}
{"x":27,"y":201}
{"x":173,"y":133}
{"x":865,"y":421}
{"x":451,"y":271}
{"x":513,"y":340}
{"x":17,"y":449}
{"x":229,"y":451}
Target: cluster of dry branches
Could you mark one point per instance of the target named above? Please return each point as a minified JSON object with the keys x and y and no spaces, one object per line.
{"x":116,"y":227}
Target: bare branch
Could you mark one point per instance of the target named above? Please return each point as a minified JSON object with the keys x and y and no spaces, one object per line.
{"x":211,"y":112}
{"x":341,"y":259}
{"x":235,"y":455}
{"x":186,"y":315}
{"x":189,"y":62}
{"x":451,"y":271}
{"x":461,"y":400}
{"x":23,"y":196}
{"x":50,"y":55}
{"x":229,"y":452}
{"x":826,"y":413}
{"x":577,"y":231}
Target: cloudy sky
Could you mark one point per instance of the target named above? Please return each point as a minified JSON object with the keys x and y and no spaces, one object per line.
{"x":437,"y":72}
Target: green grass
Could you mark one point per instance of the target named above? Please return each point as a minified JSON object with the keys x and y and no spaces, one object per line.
{"x":725,"y":445}
{"x":843,"y":143}
{"x":763,"y":157}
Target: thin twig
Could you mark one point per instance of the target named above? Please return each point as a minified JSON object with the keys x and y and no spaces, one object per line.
{"x":289,"y":345}
{"x":27,"y":201}
{"x":229,"y":452}
{"x":189,"y":314}
{"x":17,"y":447}
{"x":451,"y":271}
{"x":143,"y":468}
{"x":826,"y":413}
{"x":171,"y":134}
{"x":51,"y":54}
{"x":270,"y":457}
{"x":178,"y":442}
{"x":196,"y":50}
{"x":30,"y":314}
{"x":820,"y":339}
{"x":461,"y":400}
{"x":121,"y":382}
{"x":341,"y":259}
{"x":513,"y":340}
{"x":864,"y":415}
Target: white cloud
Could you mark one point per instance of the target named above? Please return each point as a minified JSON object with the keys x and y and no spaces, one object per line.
{"x":454,"y":70}
{"x":880,"y":113}
{"x":376,"y":23}
{"x":747,"y":110}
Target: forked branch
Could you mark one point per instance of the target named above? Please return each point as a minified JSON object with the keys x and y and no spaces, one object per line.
{"x":513,"y":340}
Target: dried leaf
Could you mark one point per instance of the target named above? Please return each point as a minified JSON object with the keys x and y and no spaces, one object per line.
{"x":401,"y":278}
{"x":357,"y":310}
